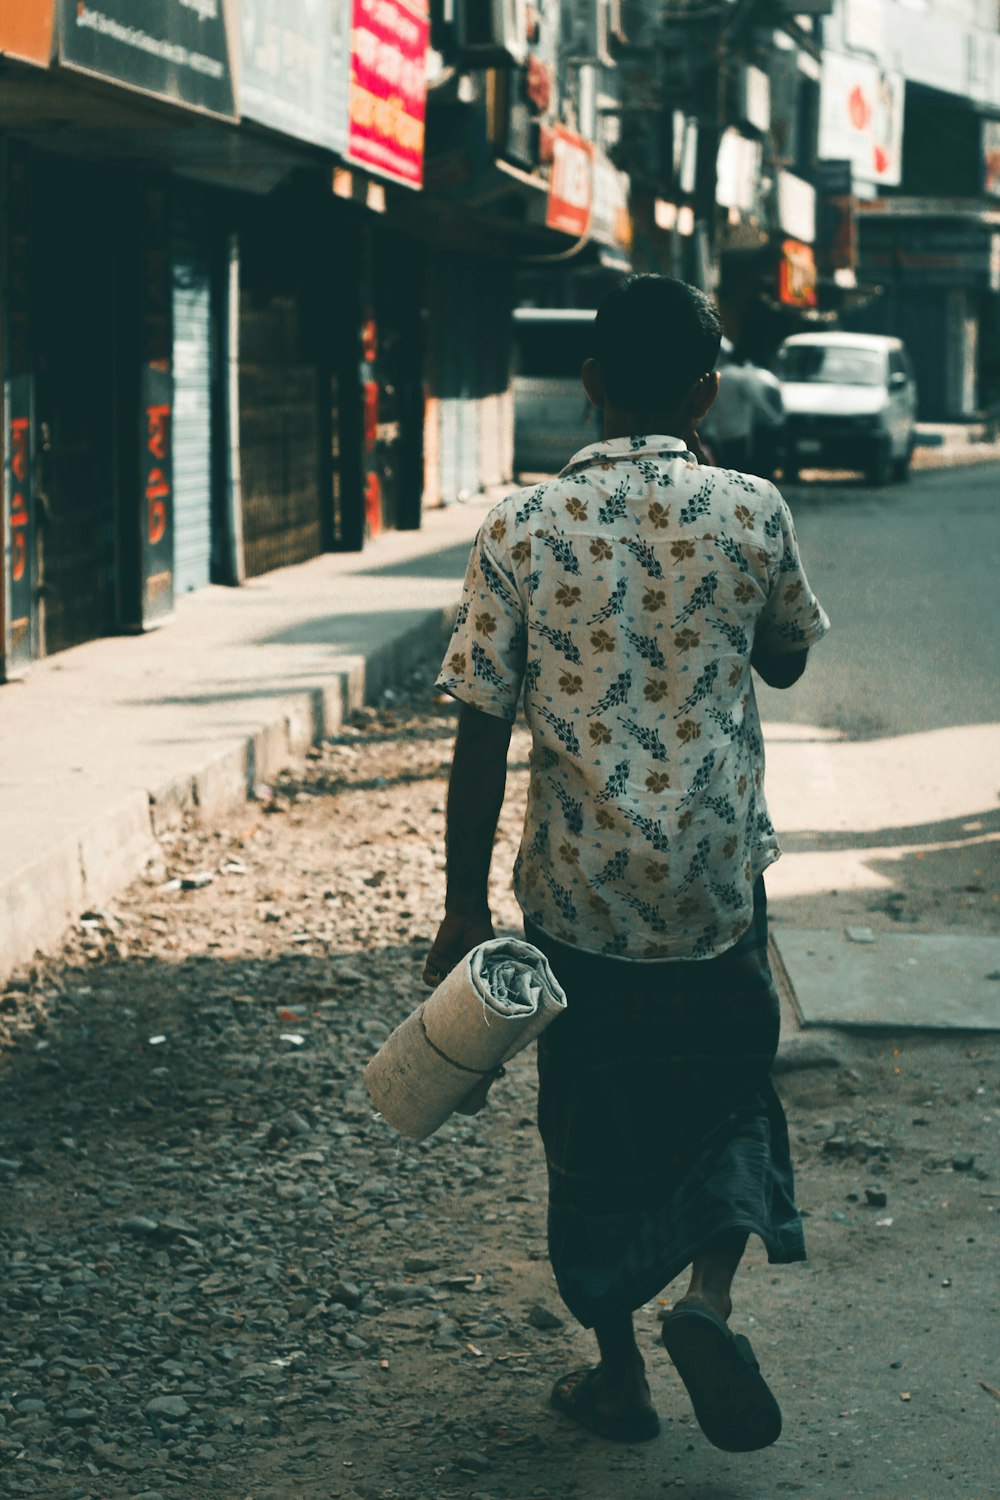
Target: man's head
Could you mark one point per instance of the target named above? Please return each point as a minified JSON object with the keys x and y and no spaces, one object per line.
{"x":655,"y":345}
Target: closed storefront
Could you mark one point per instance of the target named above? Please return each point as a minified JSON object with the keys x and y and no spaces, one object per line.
{"x":399,"y":282}
{"x":936,"y":277}
{"x":454,"y":316}
{"x":76,"y":313}
{"x":194,"y":289}
{"x":279,"y":395}
{"x":469,"y":365}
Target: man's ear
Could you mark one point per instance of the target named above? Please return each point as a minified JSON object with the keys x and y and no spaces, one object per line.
{"x":593,"y":384}
{"x":702,"y":394}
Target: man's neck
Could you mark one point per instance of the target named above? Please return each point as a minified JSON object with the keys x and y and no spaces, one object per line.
{"x":620,"y":424}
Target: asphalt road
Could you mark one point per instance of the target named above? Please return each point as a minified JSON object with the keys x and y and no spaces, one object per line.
{"x":884,"y":760}
{"x":908,"y":575}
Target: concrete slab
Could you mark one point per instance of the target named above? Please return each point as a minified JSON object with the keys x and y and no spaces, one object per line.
{"x":936,"y":981}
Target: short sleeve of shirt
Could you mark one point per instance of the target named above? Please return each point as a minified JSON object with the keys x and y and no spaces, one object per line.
{"x":793,"y":618}
{"x":484,"y":666}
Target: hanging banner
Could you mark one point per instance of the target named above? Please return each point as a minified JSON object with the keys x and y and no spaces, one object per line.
{"x":387,"y":98}
{"x":26,"y":30}
{"x":293,"y":73}
{"x":570,"y":183}
{"x":175,"y":49}
{"x":861,"y":118}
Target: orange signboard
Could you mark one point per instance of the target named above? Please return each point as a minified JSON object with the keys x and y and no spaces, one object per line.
{"x":797,"y":275}
{"x":26,"y":30}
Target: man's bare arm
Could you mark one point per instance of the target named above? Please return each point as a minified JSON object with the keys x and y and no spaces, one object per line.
{"x":475,"y":796}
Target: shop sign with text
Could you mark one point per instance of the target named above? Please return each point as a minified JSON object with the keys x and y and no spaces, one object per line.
{"x":570,"y":183}
{"x":387,"y":92}
{"x":175,"y":49}
{"x":294,"y":68}
{"x":26,"y":30}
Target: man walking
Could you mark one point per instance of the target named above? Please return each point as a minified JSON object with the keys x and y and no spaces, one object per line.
{"x":630,"y":597}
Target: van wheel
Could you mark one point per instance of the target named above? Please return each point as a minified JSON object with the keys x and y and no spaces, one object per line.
{"x":879,"y":466}
{"x":901,"y":468}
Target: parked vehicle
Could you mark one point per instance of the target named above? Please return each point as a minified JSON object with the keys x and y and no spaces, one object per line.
{"x":552,"y":417}
{"x":850,"y":403}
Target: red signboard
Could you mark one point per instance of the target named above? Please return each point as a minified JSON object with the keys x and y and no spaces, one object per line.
{"x":26,"y":30}
{"x":570,"y":183}
{"x":388,"y":88}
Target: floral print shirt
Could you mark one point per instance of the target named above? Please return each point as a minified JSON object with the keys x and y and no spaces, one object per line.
{"x":624,"y":597}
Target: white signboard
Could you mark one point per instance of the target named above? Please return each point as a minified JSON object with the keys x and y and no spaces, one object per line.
{"x":609,"y":220}
{"x":861,"y":118}
{"x":797,"y":207}
{"x":737,"y":171}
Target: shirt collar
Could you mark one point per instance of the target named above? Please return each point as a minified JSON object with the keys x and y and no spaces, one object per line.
{"x":626,"y":449}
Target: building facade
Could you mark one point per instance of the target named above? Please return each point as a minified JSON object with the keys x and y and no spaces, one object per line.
{"x":257,"y":263}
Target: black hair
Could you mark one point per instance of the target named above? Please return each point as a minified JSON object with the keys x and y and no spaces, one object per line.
{"x":653,"y":337}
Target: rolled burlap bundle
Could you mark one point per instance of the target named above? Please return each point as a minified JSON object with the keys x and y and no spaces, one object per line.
{"x":445,"y":1055}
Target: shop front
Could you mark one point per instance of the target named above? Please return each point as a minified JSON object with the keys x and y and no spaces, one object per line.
{"x":939,"y":289}
{"x":106,"y":497}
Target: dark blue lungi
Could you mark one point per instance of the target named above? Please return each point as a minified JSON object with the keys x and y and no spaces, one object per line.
{"x":661,"y":1126}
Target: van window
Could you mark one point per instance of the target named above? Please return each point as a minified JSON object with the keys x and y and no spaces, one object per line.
{"x":831,"y":364}
{"x":556,"y":349}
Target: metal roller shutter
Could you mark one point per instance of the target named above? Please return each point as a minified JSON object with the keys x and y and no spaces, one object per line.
{"x":279,"y":395}
{"x":75,"y":398}
{"x":192,"y":299}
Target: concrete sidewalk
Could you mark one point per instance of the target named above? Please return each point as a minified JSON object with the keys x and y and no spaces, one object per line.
{"x":104,"y":745}
{"x":947,"y":445}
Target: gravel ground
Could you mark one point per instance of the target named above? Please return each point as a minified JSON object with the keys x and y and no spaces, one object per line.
{"x":220,"y":1276}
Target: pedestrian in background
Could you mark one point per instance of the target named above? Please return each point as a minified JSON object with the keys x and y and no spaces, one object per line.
{"x":743,"y":426}
{"x":629,"y":598}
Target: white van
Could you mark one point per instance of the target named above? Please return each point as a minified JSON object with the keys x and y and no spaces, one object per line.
{"x":850,"y":403}
{"x":552,"y":417}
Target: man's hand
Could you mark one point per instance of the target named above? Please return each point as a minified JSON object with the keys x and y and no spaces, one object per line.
{"x":697,"y":447}
{"x":457,"y":936}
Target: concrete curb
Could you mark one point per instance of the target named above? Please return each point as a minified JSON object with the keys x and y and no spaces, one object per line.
{"x":43,"y":897}
{"x":955,"y":458}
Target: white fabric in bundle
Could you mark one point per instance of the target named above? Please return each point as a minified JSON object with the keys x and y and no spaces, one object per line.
{"x":445,"y":1055}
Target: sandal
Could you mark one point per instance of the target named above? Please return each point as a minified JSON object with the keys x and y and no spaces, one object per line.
{"x":732,"y":1401}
